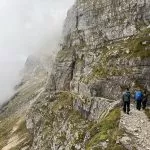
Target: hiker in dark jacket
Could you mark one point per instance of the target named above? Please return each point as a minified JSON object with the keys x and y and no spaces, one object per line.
{"x":126,"y":101}
{"x":138,"y":98}
{"x":145,"y":98}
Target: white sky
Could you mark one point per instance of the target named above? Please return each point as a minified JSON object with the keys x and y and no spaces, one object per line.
{"x":25,"y":27}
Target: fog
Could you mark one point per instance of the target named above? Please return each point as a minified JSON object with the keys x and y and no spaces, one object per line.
{"x":26,"y":26}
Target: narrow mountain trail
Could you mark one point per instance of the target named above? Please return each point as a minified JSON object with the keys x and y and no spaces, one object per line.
{"x":27,"y":106}
{"x":137,"y":130}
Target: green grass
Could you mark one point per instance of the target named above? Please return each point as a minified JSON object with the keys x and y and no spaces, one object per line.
{"x":108,"y":129}
{"x":136,"y":46}
{"x":64,"y":99}
{"x":61,"y":112}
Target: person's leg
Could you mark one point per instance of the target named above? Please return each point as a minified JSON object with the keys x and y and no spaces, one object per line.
{"x":140,"y":104}
{"x":137,"y":105}
{"x":144,"y":104}
{"x":124,"y":107}
{"x":128,"y":107}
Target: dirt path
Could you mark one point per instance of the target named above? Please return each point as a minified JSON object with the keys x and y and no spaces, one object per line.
{"x":27,"y":106}
{"x":137,"y":127}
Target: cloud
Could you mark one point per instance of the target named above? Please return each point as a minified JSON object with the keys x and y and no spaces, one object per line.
{"x":25,"y":27}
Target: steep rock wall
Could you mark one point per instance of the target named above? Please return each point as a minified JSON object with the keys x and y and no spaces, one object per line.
{"x":108,"y":20}
{"x":106,"y":48}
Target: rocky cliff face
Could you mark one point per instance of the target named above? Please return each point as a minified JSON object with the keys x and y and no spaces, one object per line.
{"x":106,"y":47}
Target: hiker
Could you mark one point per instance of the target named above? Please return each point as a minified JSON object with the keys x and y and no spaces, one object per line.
{"x":126,"y":101}
{"x":138,"y":98}
{"x":145,"y":98}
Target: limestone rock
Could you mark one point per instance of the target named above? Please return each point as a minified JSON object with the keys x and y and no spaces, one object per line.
{"x":99,"y":50}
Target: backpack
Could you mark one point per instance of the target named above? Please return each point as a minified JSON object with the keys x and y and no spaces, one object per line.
{"x":126,"y":96}
{"x":138,"y":95}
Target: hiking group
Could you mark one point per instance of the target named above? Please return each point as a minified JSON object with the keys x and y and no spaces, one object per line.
{"x":140,"y":99}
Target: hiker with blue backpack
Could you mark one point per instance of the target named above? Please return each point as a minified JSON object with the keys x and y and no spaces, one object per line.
{"x":138,"y":98}
{"x":126,"y":101}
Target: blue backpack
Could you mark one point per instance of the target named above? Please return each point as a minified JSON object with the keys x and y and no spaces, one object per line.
{"x":138,"y":95}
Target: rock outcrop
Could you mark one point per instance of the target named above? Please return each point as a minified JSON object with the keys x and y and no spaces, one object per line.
{"x":106,"y":45}
{"x":66,"y":121}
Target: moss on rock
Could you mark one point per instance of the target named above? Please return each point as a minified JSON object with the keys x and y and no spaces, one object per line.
{"x":106,"y":130}
{"x":140,"y":45}
{"x":111,"y":58}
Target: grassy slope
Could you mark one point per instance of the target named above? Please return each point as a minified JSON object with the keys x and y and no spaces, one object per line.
{"x":108,"y":130}
{"x":10,"y":128}
{"x":60,"y":111}
{"x":15,"y":110}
